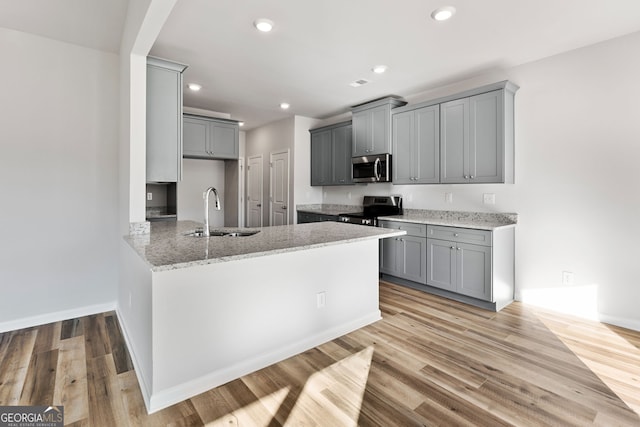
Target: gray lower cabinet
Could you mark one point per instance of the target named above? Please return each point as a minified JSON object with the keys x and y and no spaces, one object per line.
{"x":331,"y":155}
{"x":469,"y":265}
{"x":460,"y":267}
{"x":210,"y":138}
{"x":306,"y":217}
{"x":405,"y":256}
{"x":416,"y":146}
{"x":372,"y":126}
{"x":164,"y":120}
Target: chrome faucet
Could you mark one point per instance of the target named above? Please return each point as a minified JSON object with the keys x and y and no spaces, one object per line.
{"x":205,"y":195}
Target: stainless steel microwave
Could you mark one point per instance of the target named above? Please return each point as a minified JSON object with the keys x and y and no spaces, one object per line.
{"x":374,"y":168}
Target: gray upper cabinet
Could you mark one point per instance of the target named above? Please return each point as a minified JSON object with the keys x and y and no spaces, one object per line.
{"x":372,"y":126}
{"x":416,"y":146}
{"x":321,"y":157}
{"x":331,"y":155}
{"x":469,"y":140}
{"x":477,"y":138}
{"x":164,"y":120}
{"x":210,"y":138}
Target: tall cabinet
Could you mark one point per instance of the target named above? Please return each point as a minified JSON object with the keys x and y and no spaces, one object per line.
{"x":372,"y":126}
{"x":164,"y":120}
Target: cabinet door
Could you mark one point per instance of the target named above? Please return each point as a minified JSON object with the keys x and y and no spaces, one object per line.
{"x":361,"y":128}
{"x":196,"y":135}
{"x":426,"y":151}
{"x":441,"y":264}
{"x":389,"y":255}
{"x":414,"y":258}
{"x":454,"y":141}
{"x":473,"y":271}
{"x":321,"y":158}
{"x":403,"y":143}
{"x":164,"y":124}
{"x":223,"y":142}
{"x":486,"y":137}
{"x":341,"y":155}
{"x":380,"y":118}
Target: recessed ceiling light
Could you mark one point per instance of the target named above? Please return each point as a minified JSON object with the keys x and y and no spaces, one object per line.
{"x":284,"y":106}
{"x":264,"y":25}
{"x":194,"y":87}
{"x":379,"y":69}
{"x":443,"y":13}
{"x":240,"y":124}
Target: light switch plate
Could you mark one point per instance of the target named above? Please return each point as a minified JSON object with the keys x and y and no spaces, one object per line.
{"x":149,"y":196}
{"x":448,"y":197}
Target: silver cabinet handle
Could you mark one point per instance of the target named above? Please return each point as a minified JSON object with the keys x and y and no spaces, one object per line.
{"x":259,"y":205}
{"x":458,"y":248}
{"x":284,"y":207}
{"x":455,"y":234}
{"x":452,"y":247}
{"x":466,"y":177}
{"x":472,"y":176}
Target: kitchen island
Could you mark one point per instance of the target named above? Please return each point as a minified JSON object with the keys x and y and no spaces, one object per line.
{"x":200,"y":312}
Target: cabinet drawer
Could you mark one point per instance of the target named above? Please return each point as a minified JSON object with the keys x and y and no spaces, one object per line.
{"x":464,"y":235}
{"x":417,"y":230}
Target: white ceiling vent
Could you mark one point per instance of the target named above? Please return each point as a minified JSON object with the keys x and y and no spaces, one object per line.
{"x":360,"y":82}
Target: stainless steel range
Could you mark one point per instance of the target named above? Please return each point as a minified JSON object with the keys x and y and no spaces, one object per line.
{"x":372,"y":208}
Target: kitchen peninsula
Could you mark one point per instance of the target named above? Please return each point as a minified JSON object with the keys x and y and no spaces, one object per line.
{"x":199,"y":312}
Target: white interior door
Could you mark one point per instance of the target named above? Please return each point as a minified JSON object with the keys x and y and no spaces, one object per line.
{"x":279,"y":188}
{"x":254,"y":192}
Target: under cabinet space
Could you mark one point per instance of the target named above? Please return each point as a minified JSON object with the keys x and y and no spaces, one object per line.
{"x":161,"y":202}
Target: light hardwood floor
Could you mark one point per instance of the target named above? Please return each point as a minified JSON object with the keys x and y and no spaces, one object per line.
{"x":430,"y":361}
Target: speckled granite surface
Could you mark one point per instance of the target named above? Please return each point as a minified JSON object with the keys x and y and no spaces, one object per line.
{"x":477,"y":220}
{"x":327,"y":209}
{"x":167,"y":247}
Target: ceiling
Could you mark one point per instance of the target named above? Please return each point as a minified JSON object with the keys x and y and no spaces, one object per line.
{"x":96,"y":24}
{"x":318,"y":47}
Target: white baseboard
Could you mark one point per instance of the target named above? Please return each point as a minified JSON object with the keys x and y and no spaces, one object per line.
{"x":58,"y":316}
{"x":620,"y":321}
{"x":144,"y":388}
{"x":173,"y":395}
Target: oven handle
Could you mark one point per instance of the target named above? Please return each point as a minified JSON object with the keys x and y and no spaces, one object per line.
{"x":376,"y":166}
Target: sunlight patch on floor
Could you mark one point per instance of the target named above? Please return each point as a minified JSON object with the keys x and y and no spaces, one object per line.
{"x":258,"y":413}
{"x":624,"y":379}
{"x":333,"y":395}
{"x":581,"y":301}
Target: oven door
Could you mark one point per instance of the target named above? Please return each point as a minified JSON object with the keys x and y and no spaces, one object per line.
{"x":371,"y":168}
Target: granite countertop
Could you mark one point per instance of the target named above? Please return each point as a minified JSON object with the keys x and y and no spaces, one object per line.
{"x":327,"y":209}
{"x":477,"y":220}
{"x":168,"y":248}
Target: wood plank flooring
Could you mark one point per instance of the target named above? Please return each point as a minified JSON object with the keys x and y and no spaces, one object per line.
{"x":429,"y":362}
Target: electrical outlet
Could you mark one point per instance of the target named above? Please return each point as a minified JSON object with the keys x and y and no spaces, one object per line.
{"x":567,"y":278}
{"x":489,"y":199}
{"x":321,"y":299}
{"x":149,"y":196}
{"x":448,"y":197}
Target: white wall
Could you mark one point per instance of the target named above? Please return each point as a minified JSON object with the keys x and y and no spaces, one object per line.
{"x":197,"y":176}
{"x":577,"y":186}
{"x":265,"y":140}
{"x":58,"y":179}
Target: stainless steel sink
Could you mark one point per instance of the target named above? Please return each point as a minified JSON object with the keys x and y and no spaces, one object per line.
{"x":220,"y":233}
